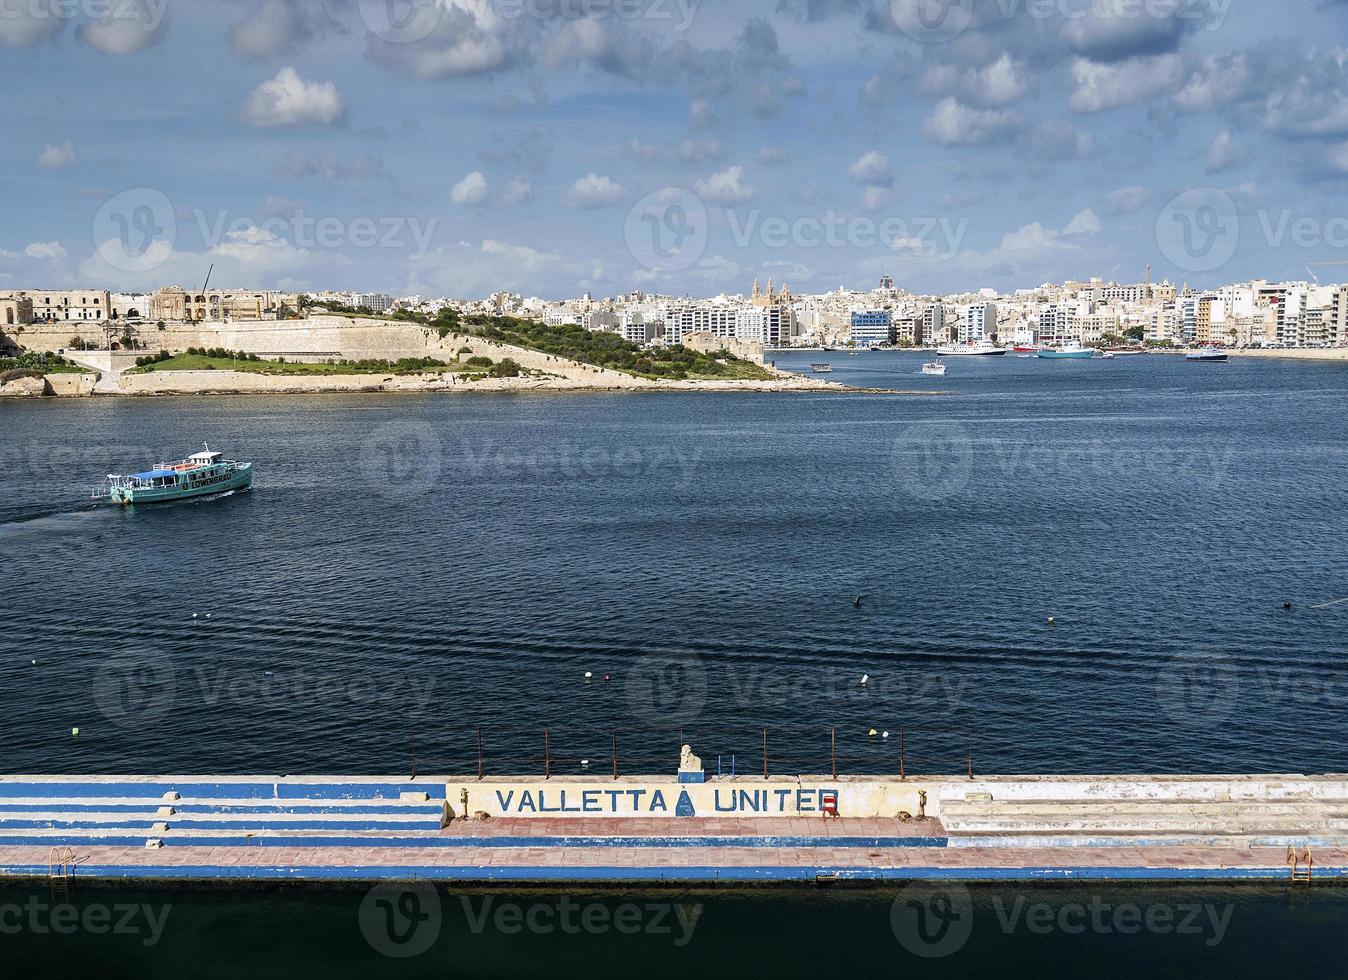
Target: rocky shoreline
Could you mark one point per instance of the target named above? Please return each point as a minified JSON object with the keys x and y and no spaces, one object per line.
{"x":167,"y":383}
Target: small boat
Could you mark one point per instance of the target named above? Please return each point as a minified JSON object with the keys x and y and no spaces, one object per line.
{"x":936,"y":369}
{"x":1108,"y":355}
{"x":1020,"y":349}
{"x":1074,"y":352}
{"x":822,"y":368}
{"x":1208,"y":355}
{"x":984,"y":348}
{"x":202,"y":474}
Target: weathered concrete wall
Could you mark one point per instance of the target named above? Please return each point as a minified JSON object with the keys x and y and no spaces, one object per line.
{"x":655,"y":797}
{"x":67,"y":385}
{"x":211,"y":382}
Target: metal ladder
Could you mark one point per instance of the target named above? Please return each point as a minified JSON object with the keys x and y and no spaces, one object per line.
{"x":60,"y":868}
{"x":1302,"y":863}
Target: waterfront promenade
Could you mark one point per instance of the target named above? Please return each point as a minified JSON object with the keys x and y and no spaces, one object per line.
{"x":634,"y":829}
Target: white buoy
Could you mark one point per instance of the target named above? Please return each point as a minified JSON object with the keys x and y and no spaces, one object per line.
{"x":208,"y":615}
{"x":884,"y":734}
{"x":589,"y":675}
{"x":194,"y":615}
{"x":34,"y":663}
{"x":585,"y":763}
{"x":865,"y":679}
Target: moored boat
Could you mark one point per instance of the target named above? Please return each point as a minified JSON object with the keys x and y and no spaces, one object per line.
{"x":1209,"y":355}
{"x":1073,"y":352}
{"x":935,"y":369}
{"x":984,"y":348}
{"x":822,"y":368}
{"x":202,"y":474}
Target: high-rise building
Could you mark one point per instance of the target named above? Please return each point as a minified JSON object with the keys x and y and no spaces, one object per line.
{"x":871,"y":328}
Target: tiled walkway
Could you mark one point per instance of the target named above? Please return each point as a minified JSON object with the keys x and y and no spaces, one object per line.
{"x":681,"y":859}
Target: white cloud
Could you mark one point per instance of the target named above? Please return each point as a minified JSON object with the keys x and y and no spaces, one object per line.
{"x":1035,"y":237}
{"x":288,"y":100}
{"x":594,"y":191}
{"x":470,"y":191}
{"x":997,"y":84}
{"x":952,"y":123}
{"x":1220,"y":80}
{"x":726,"y":187}
{"x":446,"y":38}
{"x":127,"y":26}
{"x":519,"y":191}
{"x":45,"y":250}
{"x":517,"y":253}
{"x":57,"y":157}
{"x":1097,"y":87}
{"x":1224,"y":154}
{"x":1126,"y":200}
{"x":872,"y":169}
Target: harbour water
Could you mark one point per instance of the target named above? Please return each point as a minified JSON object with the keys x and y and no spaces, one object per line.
{"x":411,"y":566}
{"x":1051,"y":931}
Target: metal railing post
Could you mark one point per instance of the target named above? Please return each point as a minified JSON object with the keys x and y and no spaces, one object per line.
{"x":902,"y":775}
{"x":765,"y":753}
{"x":414,"y":757}
{"x":971,"y":755}
{"x":547,"y":756}
{"x":479,"y":755}
{"x":614,"y":736}
{"x":833,"y":751}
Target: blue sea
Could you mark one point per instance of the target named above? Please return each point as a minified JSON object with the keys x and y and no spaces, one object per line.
{"x":414,"y":577}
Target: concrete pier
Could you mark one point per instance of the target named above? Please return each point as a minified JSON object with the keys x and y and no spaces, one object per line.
{"x":741,"y":829}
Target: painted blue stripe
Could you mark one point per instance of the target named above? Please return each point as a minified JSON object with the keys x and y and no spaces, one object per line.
{"x":237,"y":826}
{"x":275,"y":839}
{"x":246,"y":808}
{"x":769,"y":873}
{"x":221,"y":790}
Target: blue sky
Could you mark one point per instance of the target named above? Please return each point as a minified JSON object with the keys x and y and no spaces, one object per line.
{"x":455,"y":147}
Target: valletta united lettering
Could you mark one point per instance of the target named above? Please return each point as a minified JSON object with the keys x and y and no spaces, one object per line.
{"x":652,"y":801}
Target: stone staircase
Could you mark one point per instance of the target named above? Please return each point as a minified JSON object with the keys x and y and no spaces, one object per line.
{"x":1185,"y":813}
{"x":168,"y":812}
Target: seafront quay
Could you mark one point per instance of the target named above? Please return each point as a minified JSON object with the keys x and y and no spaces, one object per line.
{"x":744,"y":829}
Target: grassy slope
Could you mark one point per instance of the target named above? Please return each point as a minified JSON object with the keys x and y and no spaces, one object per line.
{"x":608,"y":350}
{"x":203,"y":362}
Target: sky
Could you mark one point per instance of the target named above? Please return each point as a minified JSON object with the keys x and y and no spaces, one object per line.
{"x":553,"y":147}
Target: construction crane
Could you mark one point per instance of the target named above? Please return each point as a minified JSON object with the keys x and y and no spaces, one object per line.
{"x":204,"y":287}
{"x":1312,"y":266}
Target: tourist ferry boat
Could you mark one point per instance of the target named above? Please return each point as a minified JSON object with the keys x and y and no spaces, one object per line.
{"x":984,"y":348}
{"x":202,"y":474}
{"x":935,"y":369}
{"x":1210,"y":355}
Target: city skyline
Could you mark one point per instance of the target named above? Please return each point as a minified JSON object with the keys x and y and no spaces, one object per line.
{"x":684,"y":149}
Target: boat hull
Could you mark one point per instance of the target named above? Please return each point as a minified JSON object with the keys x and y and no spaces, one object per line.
{"x":239,"y":479}
{"x":1066,"y":355}
{"x":971,"y":352}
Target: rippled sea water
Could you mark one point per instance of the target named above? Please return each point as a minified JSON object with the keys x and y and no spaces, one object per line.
{"x":421,"y":567}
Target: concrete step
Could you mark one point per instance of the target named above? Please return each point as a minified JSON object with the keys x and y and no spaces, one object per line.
{"x":1114,"y":823}
{"x":972,"y":809}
